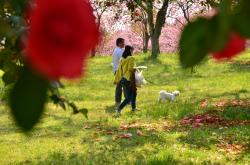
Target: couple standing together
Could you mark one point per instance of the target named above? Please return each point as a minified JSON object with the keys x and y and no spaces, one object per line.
{"x":124,"y":71}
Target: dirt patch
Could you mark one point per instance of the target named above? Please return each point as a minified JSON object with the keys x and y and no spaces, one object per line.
{"x":164,"y":126}
{"x":234,"y":149}
{"x":232,"y":103}
{"x":210,"y":118}
{"x":225,"y":103}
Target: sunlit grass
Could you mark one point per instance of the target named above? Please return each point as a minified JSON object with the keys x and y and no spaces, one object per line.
{"x":64,"y":138}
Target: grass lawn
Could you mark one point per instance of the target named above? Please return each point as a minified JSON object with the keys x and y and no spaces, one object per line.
{"x":157,"y":135}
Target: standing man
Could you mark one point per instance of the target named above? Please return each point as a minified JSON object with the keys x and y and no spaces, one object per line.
{"x":117,"y":54}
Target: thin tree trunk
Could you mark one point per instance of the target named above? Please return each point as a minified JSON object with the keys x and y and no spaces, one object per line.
{"x":146,"y":38}
{"x":93,"y":52}
{"x":155,"y":46}
{"x":155,"y":29}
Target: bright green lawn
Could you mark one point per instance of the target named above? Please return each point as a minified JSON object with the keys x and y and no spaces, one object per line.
{"x":63,"y":138}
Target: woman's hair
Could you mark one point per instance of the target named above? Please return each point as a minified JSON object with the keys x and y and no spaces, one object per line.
{"x":128,"y":51}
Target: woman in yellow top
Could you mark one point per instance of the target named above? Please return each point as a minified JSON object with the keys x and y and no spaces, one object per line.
{"x":125,"y":75}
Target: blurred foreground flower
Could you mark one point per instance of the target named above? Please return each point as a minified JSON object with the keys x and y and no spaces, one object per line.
{"x":235,"y":45}
{"x":62,"y":32}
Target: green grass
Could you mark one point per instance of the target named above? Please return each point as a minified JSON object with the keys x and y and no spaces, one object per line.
{"x":64,"y":138}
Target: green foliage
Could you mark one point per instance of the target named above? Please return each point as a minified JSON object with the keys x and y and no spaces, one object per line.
{"x":27,"y":105}
{"x":202,"y":37}
{"x":57,"y":99}
{"x":19,"y":6}
{"x":235,"y":113}
{"x":241,"y":21}
{"x":29,"y":95}
{"x":194,"y":33}
{"x":206,"y":35}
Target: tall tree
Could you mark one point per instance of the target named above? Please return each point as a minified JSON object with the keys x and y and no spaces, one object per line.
{"x":140,"y":17}
{"x":100,"y":7}
{"x":156,"y":17}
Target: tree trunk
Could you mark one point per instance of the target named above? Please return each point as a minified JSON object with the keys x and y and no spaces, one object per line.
{"x":146,"y":35}
{"x":155,"y":46}
{"x":93,"y":52}
{"x":155,"y":28}
{"x":146,"y":38}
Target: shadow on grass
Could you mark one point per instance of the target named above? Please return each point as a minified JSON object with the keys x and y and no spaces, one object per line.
{"x":231,"y":137}
{"x":150,"y":60}
{"x":5,"y":130}
{"x":209,"y":138}
{"x":55,"y":117}
{"x":236,"y":113}
{"x":4,"y":110}
{"x":79,"y":159}
{"x":110,"y":109}
{"x":235,"y":94}
{"x":172,"y":110}
{"x":240,"y":66}
{"x":229,"y":122}
{"x":166,"y":160}
{"x":167,"y":75}
{"x":104,"y":149}
{"x":58,"y":158}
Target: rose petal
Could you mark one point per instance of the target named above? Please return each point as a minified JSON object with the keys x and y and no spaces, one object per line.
{"x":235,"y":45}
{"x":61,"y":35}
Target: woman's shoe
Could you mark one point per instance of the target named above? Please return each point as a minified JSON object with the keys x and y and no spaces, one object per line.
{"x":117,"y":113}
{"x":135,"y":109}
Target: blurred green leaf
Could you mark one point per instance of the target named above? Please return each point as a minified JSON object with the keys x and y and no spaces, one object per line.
{"x":2,"y":7}
{"x":9,"y":66}
{"x":9,"y":78}
{"x":194,"y":42}
{"x":220,"y":27}
{"x":204,"y":36}
{"x":5,"y":28}
{"x":3,"y":57}
{"x":84,"y":111}
{"x":19,"y":6}
{"x":62,"y":104}
{"x":28,"y":98}
{"x":55,"y":99}
{"x":58,"y":101}
{"x":241,"y":18}
{"x":219,"y":32}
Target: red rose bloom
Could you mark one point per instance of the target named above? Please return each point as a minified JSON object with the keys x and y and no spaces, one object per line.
{"x":62,"y":32}
{"x":235,"y":45}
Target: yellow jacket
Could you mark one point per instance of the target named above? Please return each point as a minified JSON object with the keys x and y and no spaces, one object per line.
{"x":126,"y":69}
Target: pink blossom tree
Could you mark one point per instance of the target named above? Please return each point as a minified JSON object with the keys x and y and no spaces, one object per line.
{"x":99,"y":8}
{"x":156,"y":17}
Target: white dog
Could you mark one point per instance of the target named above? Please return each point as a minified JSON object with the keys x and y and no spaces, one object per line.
{"x":176,"y":93}
{"x":164,"y":95}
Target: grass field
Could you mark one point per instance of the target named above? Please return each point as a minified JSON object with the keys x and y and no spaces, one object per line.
{"x":157,"y":135}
